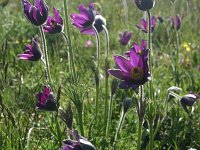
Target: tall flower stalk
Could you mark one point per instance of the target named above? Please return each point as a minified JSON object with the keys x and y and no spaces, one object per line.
{"x":67,"y":30}
{"x":48,"y":75}
{"x":151,"y":91}
{"x":106,"y":79}
{"x":97,"y":70}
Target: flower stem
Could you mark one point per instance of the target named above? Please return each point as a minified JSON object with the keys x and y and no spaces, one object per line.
{"x":58,"y":130}
{"x":69,"y":60}
{"x":139,"y":135}
{"x":80,"y":118}
{"x":45,"y":54}
{"x":67,"y":30}
{"x":118,"y":128}
{"x":151,"y":91}
{"x":126,"y":13}
{"x":141,"y":114}
{"x":97,"y":70}
{"x":150,"y":56}
{"x":109,"y":116}
{"x":106,"y":79}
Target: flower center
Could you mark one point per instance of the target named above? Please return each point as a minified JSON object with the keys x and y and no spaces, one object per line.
{"x":137,"y":73}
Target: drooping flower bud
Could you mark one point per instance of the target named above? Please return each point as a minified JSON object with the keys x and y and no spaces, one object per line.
{"x":145,"y":5}
{"x":127,"y":104}
{"x":188,"y":100}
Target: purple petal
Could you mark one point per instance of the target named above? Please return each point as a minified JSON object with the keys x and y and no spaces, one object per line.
{"x":89,"y":31}
{"x":119,"y":74}
{"x":134,"y":58}
{"x":57,"y":16}
{"x":123,"y":63}
{"x":144,"y":24}
{"x":178,"y":22}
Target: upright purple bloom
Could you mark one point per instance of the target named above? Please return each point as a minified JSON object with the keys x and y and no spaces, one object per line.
{"x":134,"y":71}
{"x":87,"y":17}
{"x":32,"y":51}
{"x":138,"y":48}
{"x":54,"y":24}
{"x":176,"y":22}
{"x":46,"y":100}
{"x":125,"y":37}
{"x":80,"y":143}
{"x":37,"y":14}
{"x":144,"y":25}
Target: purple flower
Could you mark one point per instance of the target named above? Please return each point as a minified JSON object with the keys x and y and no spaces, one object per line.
{"x":46,"y":100}
{"x":80,"y":143}
{"x":125,"y":37}
{"x":138,"y":48}
{"x":178,"y":22}
{"x":88,"y":17}
{"x":37,"y":14}
{"x":134,"y":71}
{"x":145,"y":4}
{"x":144,"y":25}
{"x":54,"y":24}
{"x":32,"y":51}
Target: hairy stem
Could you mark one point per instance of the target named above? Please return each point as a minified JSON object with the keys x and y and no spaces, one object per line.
{"x":48,"y":76}
{"x":97,"y":70}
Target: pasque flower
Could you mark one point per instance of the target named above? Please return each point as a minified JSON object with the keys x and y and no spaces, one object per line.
{"x":188,"y":100}
{"x":176,"y":22}
{"x":145,"y":5}
{"x":144,"y":25}
{"x":32,"y":51}
{"x":80,"y":143}
{"x":54,"y":24}
{"x":125,"y":37}
{"x":133,"y":71}
{"x":138,"y":48}
{"x":88,"y":17}
{"x":37,"y":14}
{"x":46,"y":100}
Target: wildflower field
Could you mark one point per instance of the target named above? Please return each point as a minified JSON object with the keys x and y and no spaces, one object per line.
{"x":99,"y":75}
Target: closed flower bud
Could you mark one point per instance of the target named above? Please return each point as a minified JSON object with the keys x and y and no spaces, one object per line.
{"x":127,"y":104}
{"x":145,"y":5}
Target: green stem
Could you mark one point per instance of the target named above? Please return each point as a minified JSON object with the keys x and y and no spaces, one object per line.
{"x":123,"y":50}
{"x":45,"y":54}
{"x":67,"y":30}
{"x":151,"y":134}
{"x":150,"y":56}
{"x":118,"y":128}
{"x":126,"y":13}
{"x":140,"y":116}
{"x":151,"y":91}
{"x":139,"y":135}
{"x":97,"y":69}
{"x":80,"y":119}
{"x":69,"y":60}
{"x":109,"y":116}
{"x":29,"y":136}
{"x":106,"y":78}
{"x":58,"y":130}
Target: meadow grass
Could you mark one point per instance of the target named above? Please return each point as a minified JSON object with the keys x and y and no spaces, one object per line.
{"x":21,"y":80}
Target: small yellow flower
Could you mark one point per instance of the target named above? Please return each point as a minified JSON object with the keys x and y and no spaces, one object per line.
{"x":186,"y":46}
